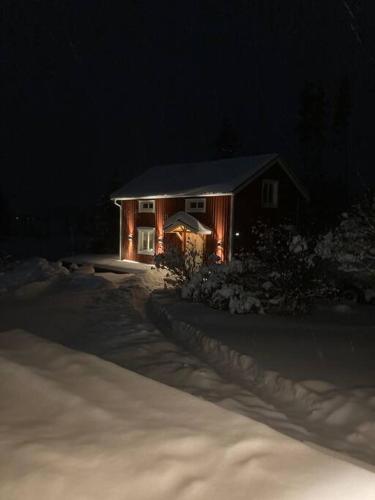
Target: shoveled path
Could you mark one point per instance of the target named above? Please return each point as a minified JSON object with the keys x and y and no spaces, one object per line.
{"x":336,"y":345}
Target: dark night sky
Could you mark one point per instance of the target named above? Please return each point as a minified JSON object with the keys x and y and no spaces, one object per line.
{"x":90,"y":86}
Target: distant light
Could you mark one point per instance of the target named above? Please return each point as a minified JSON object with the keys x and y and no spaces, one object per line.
{"x":237,"y":234}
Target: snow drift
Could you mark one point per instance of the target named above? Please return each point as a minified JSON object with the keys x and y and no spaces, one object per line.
{"x":74,"y":426}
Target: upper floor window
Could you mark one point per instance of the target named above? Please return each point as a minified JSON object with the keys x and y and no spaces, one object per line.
{"x":270,"y":193}
{"x":146,"y":206}
{"x":195,"y":205}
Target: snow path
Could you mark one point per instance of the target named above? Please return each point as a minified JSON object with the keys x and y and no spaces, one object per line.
{"x":107,"y":319}
{"x":338,"y":420}
{"x":124,"y":336}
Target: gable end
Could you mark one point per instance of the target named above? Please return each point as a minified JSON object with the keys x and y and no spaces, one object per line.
{"x":299,"y":186}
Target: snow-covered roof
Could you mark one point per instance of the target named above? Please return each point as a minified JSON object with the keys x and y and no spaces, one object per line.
{"x":186,"y":220}
{"x":223,"y":176}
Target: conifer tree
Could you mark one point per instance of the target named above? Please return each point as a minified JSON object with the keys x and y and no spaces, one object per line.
{"x":341,"y":118}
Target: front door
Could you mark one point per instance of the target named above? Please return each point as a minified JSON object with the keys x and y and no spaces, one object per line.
{"x":190,"y":244}
{"x":195,"y":248}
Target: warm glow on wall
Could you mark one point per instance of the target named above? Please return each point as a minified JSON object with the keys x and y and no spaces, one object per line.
{"x":220,"y":216}
{"x":160,"y":246}
{"x":130,"y":208}
{"x":131,"y":252}
{"x":216,"y":217}
{"x":160,"y":216}
{"x":220,"y":250}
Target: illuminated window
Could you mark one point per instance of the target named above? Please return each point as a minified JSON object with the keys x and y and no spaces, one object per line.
{"x":146,"y":206}
{"x":270,"y":193}
{"x":146,"y":240}
{"x":195,"y":205}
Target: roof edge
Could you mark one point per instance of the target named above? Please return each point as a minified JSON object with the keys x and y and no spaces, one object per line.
{"x":165,"y":196}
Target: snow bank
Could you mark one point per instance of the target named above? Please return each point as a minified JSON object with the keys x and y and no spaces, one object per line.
{"x":34,"y":276}
{"x":31,"y":276}
{"x":76,"y":427}
{"x":342,"y":419}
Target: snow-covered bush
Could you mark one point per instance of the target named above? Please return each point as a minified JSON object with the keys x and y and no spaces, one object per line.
{"x":349,"y":251}
{"x":7,"y":262}
{"x":281,"y":272}
{"x":351,"y":245}
{"x":290,"y":266}
{"x":181,"y":265}
{"x":219,"y":285}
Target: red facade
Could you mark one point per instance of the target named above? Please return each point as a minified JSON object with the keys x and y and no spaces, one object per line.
{"x":244,"y":208}
{"x":248,"y":207}
{"x":216,"y":217}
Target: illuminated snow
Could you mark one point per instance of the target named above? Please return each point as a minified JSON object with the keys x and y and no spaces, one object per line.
{"x":76,"y":427}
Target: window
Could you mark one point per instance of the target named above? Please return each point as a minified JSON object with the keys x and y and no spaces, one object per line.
{"x":195,"y":205}
{"x":146,"y":240}
{"x":270,"y":193}
{"x":146,"y":206}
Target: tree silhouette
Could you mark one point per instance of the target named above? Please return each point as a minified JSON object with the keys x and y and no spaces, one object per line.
{"x":228,"y":143}
{"x":341,"y":118}
{"x":312,"y":129}
{"x":4,"y":216}
{"x":105,"y":223}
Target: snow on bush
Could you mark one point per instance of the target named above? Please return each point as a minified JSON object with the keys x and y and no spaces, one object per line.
{"x":279,"y":273}
{"x":352,"y":243}
{"x":7,"y":262}
{"x":180,"y":264}
{"x":349,"y":250}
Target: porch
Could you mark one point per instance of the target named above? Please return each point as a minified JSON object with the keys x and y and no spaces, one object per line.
{"x":107,"y":263}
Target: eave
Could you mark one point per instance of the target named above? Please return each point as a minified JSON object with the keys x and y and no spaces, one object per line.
{"x":166,"y":196}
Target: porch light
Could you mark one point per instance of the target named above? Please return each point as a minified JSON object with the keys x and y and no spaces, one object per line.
{"x":236,"y":234}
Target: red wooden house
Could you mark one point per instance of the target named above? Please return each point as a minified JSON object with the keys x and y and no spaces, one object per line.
{"x":211,"y":204}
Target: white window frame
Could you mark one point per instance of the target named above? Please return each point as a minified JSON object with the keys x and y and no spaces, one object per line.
{"x":274,"y":203}
{"x":148,"y":251}
{"x":142,"y":209}
{"x":189,"y":201}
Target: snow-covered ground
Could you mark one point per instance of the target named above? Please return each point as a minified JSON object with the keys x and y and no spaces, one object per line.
{"x":104,"y":314}
{"x":108,"y":263}
{"x":334,"y":343}
{"x":76,"y":427}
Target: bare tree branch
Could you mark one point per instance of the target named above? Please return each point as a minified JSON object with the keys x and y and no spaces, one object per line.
{"x":355,"y":28}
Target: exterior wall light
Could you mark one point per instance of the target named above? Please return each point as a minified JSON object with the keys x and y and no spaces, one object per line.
{"x":236,"y":234}
{"x":130,"y":237}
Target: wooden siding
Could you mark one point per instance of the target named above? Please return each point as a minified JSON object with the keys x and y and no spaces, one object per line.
{"x":216,"y":217}
{"x":248,"y":206}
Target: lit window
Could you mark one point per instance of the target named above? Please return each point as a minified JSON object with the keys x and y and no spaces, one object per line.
{"x":270,"y":193}
{"x":146,"y":240}
{"x":146,"y":206}
{"x":195,"y":205}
